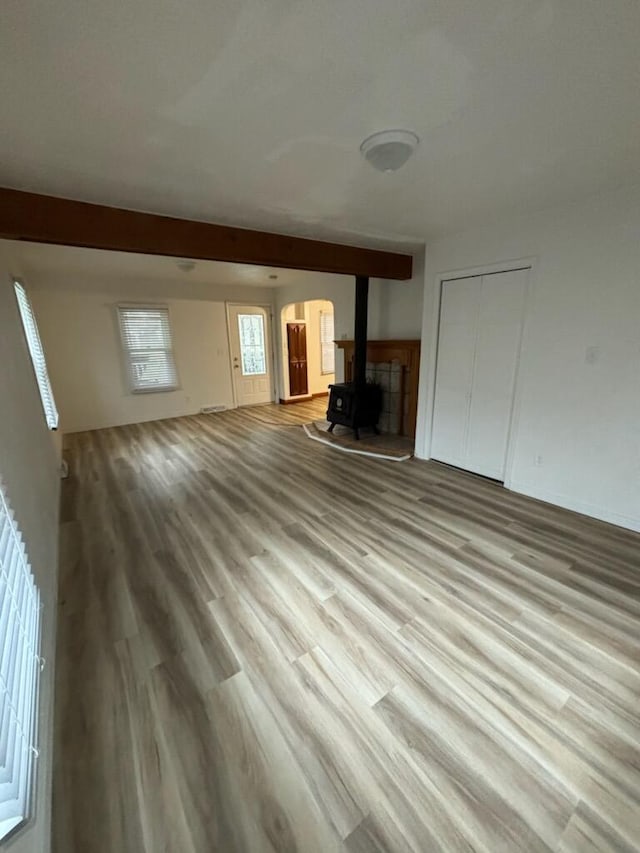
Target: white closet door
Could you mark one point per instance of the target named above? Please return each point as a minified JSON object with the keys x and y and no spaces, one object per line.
{"x":478,"y":350}
{"x":494,"y":372}
{"x":456,"y":347}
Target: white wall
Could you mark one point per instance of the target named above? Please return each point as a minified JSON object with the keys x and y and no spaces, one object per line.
{"x":80,"y":336}
{"x":582,"y":418}
{"x":141,"y":288}
{"x":400,"y":309}
{"x":29,"y":467}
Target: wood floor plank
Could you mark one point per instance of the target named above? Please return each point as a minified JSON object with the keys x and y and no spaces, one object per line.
{"x":587,"y":833}
{"x":311,"y":736}
{"x":419,"y":816}
{"x":275,"y":808}
{"x":266,"y":646}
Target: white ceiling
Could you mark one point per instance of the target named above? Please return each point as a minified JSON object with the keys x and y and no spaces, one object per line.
{"x":58,"y":261}
{"x":251,"y":112}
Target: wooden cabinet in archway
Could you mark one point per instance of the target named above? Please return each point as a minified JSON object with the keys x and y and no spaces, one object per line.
{"x":297,"y":347}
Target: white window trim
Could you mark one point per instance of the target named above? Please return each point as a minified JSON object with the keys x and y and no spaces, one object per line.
{"x":146,"y":306}
{"x":20,"y":626}
{"x":36,"y":352}
{"x":324,"y":372}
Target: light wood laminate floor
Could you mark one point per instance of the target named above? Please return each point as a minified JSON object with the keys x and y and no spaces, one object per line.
{"x":266,"y":645}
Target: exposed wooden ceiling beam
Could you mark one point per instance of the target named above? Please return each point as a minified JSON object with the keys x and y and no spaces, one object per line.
{"x":45,"y":219}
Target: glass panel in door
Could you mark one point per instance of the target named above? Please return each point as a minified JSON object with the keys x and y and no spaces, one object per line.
{"x":253,"y":355}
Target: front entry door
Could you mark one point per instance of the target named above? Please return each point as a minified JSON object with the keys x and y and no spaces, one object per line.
{"x":251,"y":364}
{"x":297,"y":345}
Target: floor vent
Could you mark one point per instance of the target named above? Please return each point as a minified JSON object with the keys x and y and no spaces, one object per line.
{"x":208,"y":410}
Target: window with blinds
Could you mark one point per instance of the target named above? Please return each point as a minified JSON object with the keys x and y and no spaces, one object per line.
{"x":327,"y":348}
{"x":20,"y":668}
{"x":37,"y":355}
{"x":148,"y":349}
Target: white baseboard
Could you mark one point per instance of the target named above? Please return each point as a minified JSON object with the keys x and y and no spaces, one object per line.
{"x":567,"y":502}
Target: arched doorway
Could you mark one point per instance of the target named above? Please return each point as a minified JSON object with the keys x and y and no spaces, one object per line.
{"x":308,"y":349}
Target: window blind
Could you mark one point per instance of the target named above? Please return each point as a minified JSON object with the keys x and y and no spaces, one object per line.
{"x":20,"y":667}
{"x":37,"y":355}
{"x":327,"y":348}
{"x":148,"y":349}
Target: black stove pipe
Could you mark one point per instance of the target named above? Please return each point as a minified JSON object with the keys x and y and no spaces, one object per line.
{"x":360,"y":332}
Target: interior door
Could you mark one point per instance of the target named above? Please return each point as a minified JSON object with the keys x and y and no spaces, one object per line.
{"x":459,"y":308}
{"x":297,"y":347}
{"x":478,"y":352}
{"x":250,"y":354}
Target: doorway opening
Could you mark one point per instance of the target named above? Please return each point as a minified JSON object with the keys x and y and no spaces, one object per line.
{"x":308,"y":349}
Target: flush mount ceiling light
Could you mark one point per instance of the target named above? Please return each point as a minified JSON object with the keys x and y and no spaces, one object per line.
{"x":186,"y":266}
{"x":388,"y":150}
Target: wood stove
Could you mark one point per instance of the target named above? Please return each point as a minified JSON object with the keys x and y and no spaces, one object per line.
{"x":354,"y":407}
{"x":357,"y":404}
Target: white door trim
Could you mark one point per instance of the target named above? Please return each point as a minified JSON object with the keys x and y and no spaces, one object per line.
{"x":471,"y":272}
{"x":268,"y":307}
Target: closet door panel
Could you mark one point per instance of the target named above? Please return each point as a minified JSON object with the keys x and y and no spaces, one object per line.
{"x":454,"y":371}
{"x":495,"y":363}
